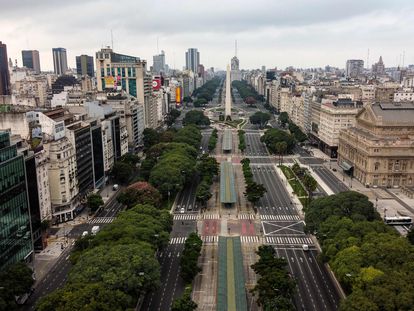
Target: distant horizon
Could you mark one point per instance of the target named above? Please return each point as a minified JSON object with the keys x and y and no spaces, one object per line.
{"x":270,"y":33}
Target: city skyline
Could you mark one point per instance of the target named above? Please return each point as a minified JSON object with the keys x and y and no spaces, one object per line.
{"x":282,"y":34}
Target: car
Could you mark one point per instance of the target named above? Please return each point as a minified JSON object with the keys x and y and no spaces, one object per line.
{"x":189,"y":207}
{"x":182,"y":210}
{"x":305,"y":247}
{"x":115,"y":187}
{"x":85,"y":233}
{"x":334,"y":169}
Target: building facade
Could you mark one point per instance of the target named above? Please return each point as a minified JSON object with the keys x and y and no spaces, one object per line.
{"x":192,"y":60}
{"x":354,"y":67}
{"x":31,"y":60}
{"x":60,"y":60}
{"x":15,"y":230}
{"x":84,"y":66}
{"x":158,"y":66}
{"x":379,"y":150}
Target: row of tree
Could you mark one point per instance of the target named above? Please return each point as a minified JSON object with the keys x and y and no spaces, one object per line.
{"x":212,"y":142}
{"x":205,"y":93}
{"x":247,"y":92}
{"x":306,"y":179}
{"x":172,"y":116}
{"x":112,"y":269}
{"x":260,"y":118}
{"x":169,"y":165}
{"x":254,"y":191}
{"x":242,"y":140}
{"x":374,"y":264}
{"x":189,"y":269}
{"x":275,"y":287}
{"x":207,"y":168}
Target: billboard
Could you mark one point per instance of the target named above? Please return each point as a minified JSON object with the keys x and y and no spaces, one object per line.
{"x":156,"y":83}
{"x":109,"y":82}
{"x":178,"y":95}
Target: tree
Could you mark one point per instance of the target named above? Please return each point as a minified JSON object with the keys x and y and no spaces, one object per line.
{"x":172,"y":116}
{"x":250,"y":100}
{"x":242,"y":141}
{"x":187,"y":99}
{"x":281,"y":147}
{"x":131,"y":268}
{"x":131,"y":159}
{"x":151,"y":138}
{"x":410,"y":236}
{"x":260,"y":118}
{"x":310,"y":185}
{"x":15,"y":280}
{"x":199,"y":102}
{"x":189,"y":257}
{"x":203,"y":193}
{"x":272,"y":136}
{"x":121,"y":172}
{"x":94,"y":201}
{"x":208,"y":166}
{"x":140,"y":193}
{"x":86,"y":297}
{"x":283,"y":118}
{"x":197,"y":118}
{"x":184,"y":303}
{"x":254,"y":192}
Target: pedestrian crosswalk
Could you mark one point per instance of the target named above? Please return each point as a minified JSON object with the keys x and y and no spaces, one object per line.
{"x":211,"y":216}
{"x":101,"y":220}
{"x":185,"y":217}
{"x":246,"y":216}
{"x":178,"y":240}
{"x":250,"y":239}
{"x":288,"y":240}
{"x":279,"y":217}
{"x":209,"y":239}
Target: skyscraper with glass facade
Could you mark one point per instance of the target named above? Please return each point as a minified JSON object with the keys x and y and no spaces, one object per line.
{"x":15,"y":230}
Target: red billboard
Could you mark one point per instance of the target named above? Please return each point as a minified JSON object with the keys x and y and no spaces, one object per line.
{"x":156,"y":83}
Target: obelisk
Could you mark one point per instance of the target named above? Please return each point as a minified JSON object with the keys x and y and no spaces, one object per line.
{"x":227,"y":106}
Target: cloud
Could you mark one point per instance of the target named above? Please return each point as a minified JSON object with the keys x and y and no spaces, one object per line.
{"x":303,"y":33}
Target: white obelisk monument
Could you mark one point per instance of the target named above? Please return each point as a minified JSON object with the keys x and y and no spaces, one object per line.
{"x":227,"y":107}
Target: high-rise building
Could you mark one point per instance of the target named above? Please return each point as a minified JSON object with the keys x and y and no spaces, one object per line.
{"x":192,"y":60}
{"x":31,"y":60}
{"x":60,"y":60}
{"x":15,"y":230}
{"x":354,"y":68}
{"x":4,"y":71}
{"x":84,"y":65}
{"x":158,"y":63}
{"x":118,"y":71}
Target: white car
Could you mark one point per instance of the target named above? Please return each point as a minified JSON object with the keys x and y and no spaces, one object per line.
{"x":182,"y":210}
{"x":85,"y":233}
{"x":305,"y":247}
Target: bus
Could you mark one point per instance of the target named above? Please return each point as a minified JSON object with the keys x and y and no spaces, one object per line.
{"x":398,"y":221}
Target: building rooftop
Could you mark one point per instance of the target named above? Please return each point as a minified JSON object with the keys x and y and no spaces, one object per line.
{"x":395,"y":112}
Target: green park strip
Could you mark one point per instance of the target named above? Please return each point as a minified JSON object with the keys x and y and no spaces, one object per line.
{"x":294,"y":182}
{"x":231,"y":291}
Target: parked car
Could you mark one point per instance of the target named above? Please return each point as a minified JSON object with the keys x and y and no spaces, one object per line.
{"x":182,"y":210}
{"x":115,"y":187}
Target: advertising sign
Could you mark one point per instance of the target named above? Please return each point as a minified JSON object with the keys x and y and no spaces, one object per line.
{"x":109,"y":82}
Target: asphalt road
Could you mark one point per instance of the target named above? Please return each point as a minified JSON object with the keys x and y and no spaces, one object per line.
{"x":330,"y":179}
{"x":55,"y":279}
{"x":283,"y":228}
{"x":254,"y":147}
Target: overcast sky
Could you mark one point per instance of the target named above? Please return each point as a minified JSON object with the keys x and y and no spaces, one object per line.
{"x":300,"y":33}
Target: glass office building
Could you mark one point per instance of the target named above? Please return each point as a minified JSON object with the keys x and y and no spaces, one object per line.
{"x":15,"y":231}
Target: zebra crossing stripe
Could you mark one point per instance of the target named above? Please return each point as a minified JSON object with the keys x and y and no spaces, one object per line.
{"x":279,"y":217}
{"x":101,"y":220}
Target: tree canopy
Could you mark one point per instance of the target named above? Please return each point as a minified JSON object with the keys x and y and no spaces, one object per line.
{"x":95,"y":201}
{"x":140,"y":193}
{"x":273,"y":136}
{"x":260,"y":118}
{"x":196,"y":117}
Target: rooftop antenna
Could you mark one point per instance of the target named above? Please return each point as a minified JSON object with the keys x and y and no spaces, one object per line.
{"x":158,"y":50}
{"x":403,"y":59}
{"x":368,"y":59}
{"x":235,"y":48}
{"x":112,"y":40}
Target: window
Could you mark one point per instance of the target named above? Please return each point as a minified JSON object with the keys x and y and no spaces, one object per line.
{"x":376,"y":166}
{"x":58,"y":156}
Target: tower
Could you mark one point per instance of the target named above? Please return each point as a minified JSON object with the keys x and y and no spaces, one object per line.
{"x":227,"y":107}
